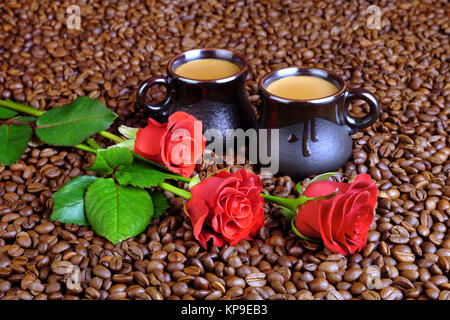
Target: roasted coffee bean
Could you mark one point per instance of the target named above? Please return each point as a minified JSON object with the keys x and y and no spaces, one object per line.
{"x":116,"y":263}
{"x":334,"y":295}
{"x":399,"y":235}
{"x":405,"y":152}
{"x":215,"y":295}
{"x":60,"y":247}
{"x":101,"y":272}
{"x":155,"y":265}
{"x":329,"y":266}
{"x":257,"y":279}
{"x":233,"y":281}
{"x":5,"y":285}
{"x":179,"y":288}
{"x":122,"y":278}
{"x":235,"y":292}
{"x":444,"y":295}
{"x":117,"y":296}
{"x":255,"y":293}
{"x":62,"y":267}
{"x":403,"y":253}
{"x":45,"y":228}
{"x":357,"y":288}
{"x":391,"y":293}
{"x":318,"y":285}
{"x":154,"y":293}
{"x":92,"y":293}
{"x":352,"y":274}
{"x":201,"y":283}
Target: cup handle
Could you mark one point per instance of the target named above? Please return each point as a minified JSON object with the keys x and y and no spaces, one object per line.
{"x":159,"y":110}
{"x":356,"y":124}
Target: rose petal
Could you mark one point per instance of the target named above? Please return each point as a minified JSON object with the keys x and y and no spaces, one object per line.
{"x":198,"y":212}
{"x":183,"y":144}
{"x":344,"y":220}
{"x":331,"y":222}
{"x":324,"y":188}
{"x":209,"y":190}
{"x":258,"y":219}
{"x":362,"y":181}
{"x":178,"y":116}
{"x":234,"y":205}
{"x":229,"y":230}
{"x":148,"y":141}
{"x":307,"y":219}
{"x":352,"y":212}
{"x":207,"y":235}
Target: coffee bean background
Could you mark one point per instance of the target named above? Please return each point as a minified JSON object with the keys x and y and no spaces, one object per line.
{"x":405,"y":64}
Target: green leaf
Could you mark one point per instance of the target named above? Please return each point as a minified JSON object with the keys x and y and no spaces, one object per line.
{"x":159,"y":202}
{"x":111,"y":158}
{"x":141,"y":175}
{"x":68,"y":202}
{"x":13,"y":142}
{"x":6,"y":113}
{"x":71,"y":124}
{"x":26,"y":119}
{"x":127,"y":144}
{"x":195,"y":180}
{"x":288,"y":213}
{"x":322,"y":177}
{"x":155,"y":164}
{"x":128,"y":132}
{"x":116,"y":212}
{"x":299,"y":188}
{"x":100,"y":166}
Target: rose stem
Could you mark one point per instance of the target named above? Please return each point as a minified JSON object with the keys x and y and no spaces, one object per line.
{"x":85,"y":148}
{"x":91,"y":142}
{"x":111,"y":136}
{"x":28,"y":110}
{"x":163,"y":185}
{"x":177,"y":191}
{"x":291,"y":204}
{"x":31,"y":111}
{"x":174,"y":176}
{"x":288,"y":203}
{"x":21,"y":108}
{"x":182,"y":179}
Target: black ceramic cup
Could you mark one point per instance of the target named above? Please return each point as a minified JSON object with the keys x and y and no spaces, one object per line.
{"x":220,"y":104}
{"x":314,"y":134}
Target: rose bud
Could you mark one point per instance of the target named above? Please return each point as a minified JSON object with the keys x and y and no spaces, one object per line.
{"x":177,"y":144}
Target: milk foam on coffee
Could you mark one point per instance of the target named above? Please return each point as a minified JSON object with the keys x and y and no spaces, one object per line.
{"x":302,"y":88}
{"x":207,"y":69}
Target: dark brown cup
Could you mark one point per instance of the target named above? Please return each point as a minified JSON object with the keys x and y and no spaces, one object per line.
{"x":221,"y":104}
{"x":314,"y":134}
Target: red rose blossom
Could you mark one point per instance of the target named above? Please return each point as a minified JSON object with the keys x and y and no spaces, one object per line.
{"x":343,"y":221}
{"x":226,"y":207}
{"x":177,"y":144}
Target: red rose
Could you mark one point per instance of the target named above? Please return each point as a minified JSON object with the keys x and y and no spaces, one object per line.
{"x":226,"y":207}
{"x":343,"y":221}
{"x":177,"y":144}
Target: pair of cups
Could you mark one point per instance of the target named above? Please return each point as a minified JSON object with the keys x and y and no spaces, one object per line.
{"x":314,"y":134}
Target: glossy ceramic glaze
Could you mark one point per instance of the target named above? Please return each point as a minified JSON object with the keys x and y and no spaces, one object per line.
{"x":314,"y":134}
{"x":221,"y":104}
